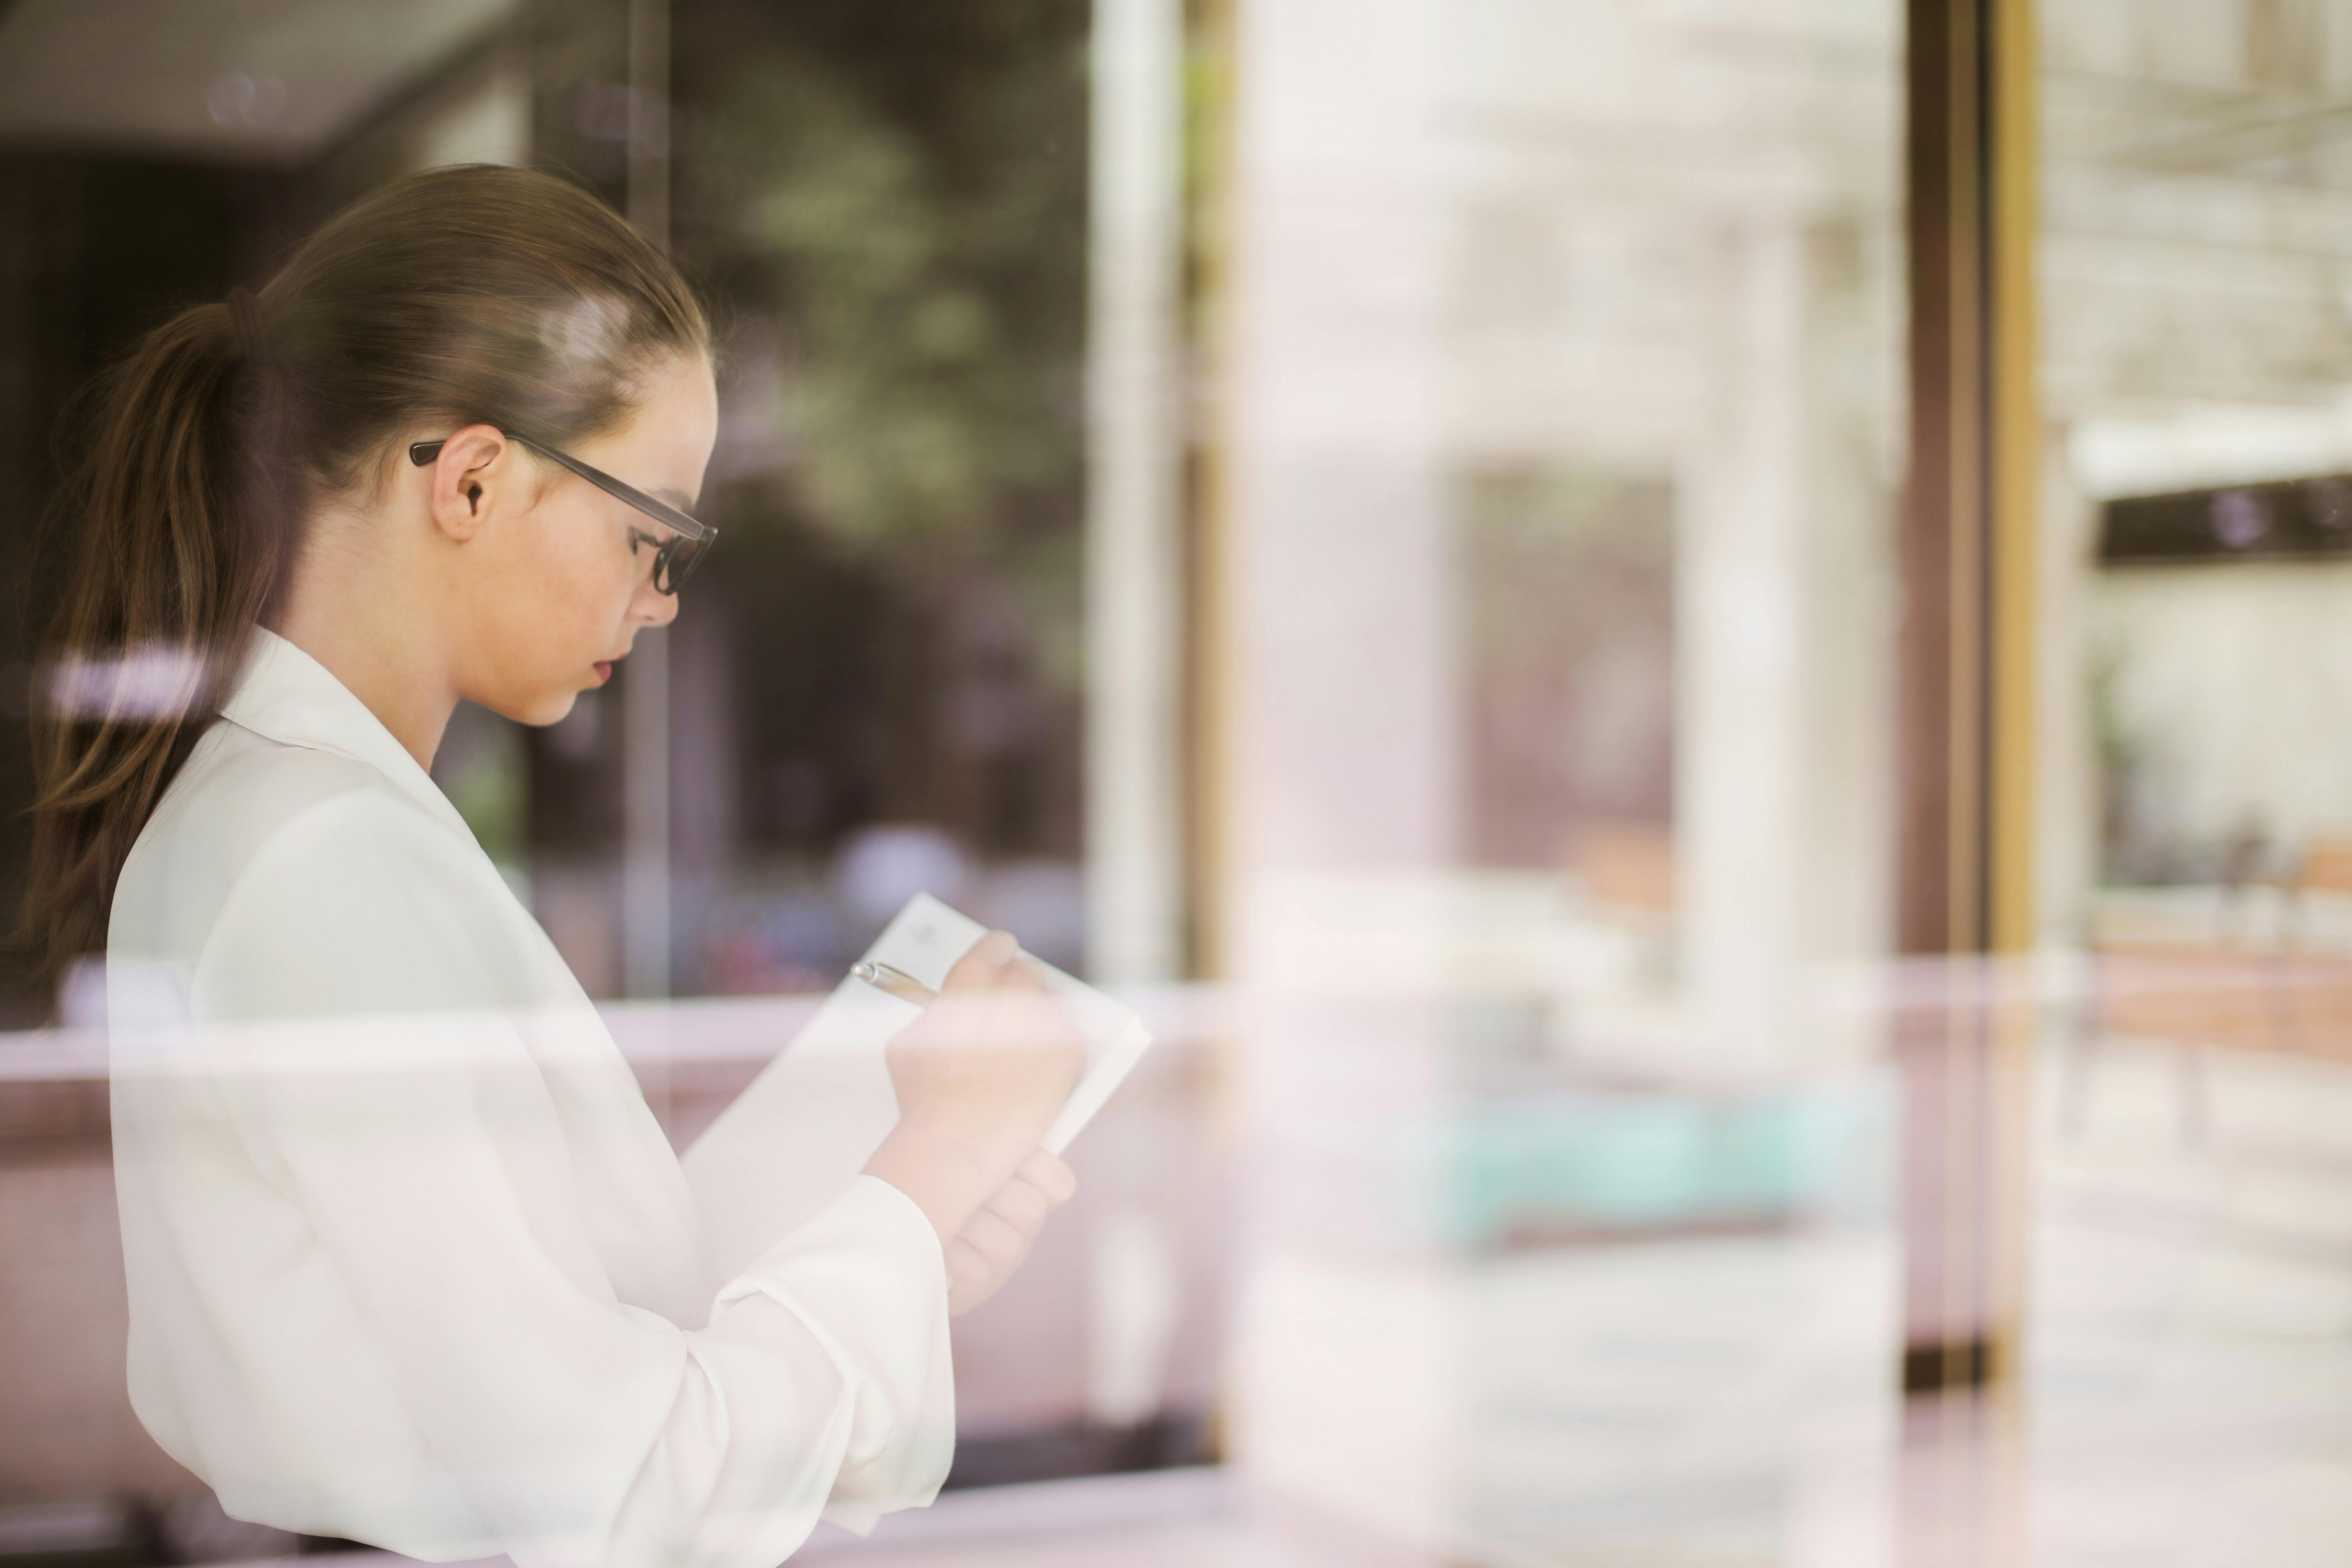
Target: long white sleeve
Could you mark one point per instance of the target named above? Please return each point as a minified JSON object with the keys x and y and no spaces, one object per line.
{"x":373,"y":1214}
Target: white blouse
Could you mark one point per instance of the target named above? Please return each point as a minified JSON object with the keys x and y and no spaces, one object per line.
{"x":410,"y":1261}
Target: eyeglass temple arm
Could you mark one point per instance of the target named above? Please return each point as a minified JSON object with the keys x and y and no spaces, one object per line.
{"x":423,"y":452}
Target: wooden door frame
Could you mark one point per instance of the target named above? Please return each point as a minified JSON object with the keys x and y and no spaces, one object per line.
{"x":1964,"y":894}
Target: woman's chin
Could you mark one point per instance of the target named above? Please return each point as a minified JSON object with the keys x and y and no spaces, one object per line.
{"x":555,"y":709}
{"x":539,"y":710}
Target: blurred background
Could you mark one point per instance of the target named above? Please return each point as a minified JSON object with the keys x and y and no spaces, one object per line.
{"x":1693,"y":655}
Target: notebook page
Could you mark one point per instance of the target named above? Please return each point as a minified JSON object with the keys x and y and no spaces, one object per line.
{"x":805,"y":1126}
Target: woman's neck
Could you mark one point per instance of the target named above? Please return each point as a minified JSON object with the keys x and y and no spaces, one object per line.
{"x":358,"y":616}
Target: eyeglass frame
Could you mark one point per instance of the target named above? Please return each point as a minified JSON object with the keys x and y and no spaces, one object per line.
{"x":666,"y":578}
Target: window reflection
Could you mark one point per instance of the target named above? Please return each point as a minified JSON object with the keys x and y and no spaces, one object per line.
{"x":1368,"y":531}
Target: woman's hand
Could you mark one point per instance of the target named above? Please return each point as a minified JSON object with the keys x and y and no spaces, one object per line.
{"x":980,"y":1077}
{"x":994,"y":1242}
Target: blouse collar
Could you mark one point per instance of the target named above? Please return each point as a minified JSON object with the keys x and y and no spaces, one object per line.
{"x":286,"y":696}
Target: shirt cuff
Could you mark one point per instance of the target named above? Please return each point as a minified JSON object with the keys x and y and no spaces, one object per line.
{"x":868,"y":1278}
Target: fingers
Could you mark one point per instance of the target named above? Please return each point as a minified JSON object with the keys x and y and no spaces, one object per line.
{"x":1000,"y":1243}
{"x":996,"y":963}
{"x":1041,"y":1186}
{"x":1050,"y":1176}
{"x":967,"y":1270}
{"x":983,"y":966}
{"x":995,"y":1240}
{"x":970,"y":1279}
{"x":1021,"y":1204}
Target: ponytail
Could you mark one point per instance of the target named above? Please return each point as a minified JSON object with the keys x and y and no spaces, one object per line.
{"x":458,"y":295}
{"x":169,"y":562}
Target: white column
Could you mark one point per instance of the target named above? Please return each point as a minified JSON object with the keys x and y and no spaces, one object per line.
{"x":1343,"y":742}
{"x":1135,"y":646}
{"x":1134,"y":560}
{"x":1740,"y":723}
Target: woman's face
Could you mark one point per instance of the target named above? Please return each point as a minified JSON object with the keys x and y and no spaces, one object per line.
{"x":558,"y":594}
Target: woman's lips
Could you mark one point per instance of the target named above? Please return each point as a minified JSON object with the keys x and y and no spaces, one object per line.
{"x":603,"y":671}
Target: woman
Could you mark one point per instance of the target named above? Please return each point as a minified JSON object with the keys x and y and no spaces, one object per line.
{"x":410,"y":1261}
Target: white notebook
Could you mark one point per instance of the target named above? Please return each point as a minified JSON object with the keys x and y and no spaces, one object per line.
{"x":806,"y":1125}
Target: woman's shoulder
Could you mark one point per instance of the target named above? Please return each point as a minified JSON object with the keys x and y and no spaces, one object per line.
{"x":245,"y":807}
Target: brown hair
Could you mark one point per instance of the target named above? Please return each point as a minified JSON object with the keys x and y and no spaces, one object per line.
{"x":466,"y":295}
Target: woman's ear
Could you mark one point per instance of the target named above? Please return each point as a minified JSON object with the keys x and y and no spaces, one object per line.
{"x":475,"y":471}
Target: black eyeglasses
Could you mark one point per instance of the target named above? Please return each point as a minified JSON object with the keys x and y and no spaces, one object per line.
{"x":674,"y":559}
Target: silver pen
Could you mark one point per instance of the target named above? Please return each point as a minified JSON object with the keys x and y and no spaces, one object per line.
{"x":893,"y":982}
